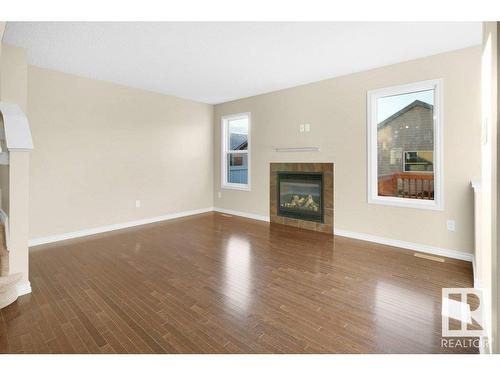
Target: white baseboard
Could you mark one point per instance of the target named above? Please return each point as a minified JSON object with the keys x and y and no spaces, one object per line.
{"x":339,"y":232}
{"x":108,"y":228}
{"x":242,"y":214}
{"x":371,"y":238}
{"x":23,"y":288}
{"x":455,"y":254}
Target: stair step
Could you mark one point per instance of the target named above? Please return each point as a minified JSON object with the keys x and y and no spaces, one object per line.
{"x":7,"y":281}
{"x":8,"y":289}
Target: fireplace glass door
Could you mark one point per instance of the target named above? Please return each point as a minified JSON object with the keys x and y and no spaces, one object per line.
{"x":301,"y":195}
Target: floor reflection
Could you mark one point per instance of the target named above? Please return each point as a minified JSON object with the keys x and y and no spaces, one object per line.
{"x":395,"y":302}
{"x":238,"y":274}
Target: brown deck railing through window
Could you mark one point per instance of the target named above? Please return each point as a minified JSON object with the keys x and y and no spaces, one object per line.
{"x":407,"y":185}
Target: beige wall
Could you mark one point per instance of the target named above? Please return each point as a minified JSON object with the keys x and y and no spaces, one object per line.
{"x":100,"y":146}
{"x":336,"y":110}
{"x":14,"y":75}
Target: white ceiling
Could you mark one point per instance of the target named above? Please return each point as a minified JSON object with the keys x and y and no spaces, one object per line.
{"x":218,"y":62}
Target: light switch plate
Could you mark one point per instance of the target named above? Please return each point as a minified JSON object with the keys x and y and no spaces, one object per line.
{"x":301,"y":128}
{"x":137,"y":203}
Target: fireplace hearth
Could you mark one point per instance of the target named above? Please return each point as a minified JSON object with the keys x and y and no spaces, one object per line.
{"x":301,"y":195}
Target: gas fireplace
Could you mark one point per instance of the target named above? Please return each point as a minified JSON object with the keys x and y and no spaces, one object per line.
{"x":300,"y":195}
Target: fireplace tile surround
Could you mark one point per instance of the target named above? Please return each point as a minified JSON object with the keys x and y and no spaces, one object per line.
{"x":327,"y":170}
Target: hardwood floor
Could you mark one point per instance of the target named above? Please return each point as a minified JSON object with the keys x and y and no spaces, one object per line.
{"x":217,"y":284}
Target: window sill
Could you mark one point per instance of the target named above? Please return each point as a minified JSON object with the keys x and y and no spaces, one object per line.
{"x":407,"y":202}
{"x":240,"y":187}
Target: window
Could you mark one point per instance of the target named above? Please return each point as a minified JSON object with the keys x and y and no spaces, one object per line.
{"x":419,"y":161}
{"x":405,"y":145}
{"x":235,"y":169}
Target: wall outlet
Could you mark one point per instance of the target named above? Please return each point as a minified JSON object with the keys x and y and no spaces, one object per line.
{"x":301,"y":128}
{"x":450,"y":225}
{"x":307,"y":127}
{"x":219,"y":195}
{"x":138,"y":204}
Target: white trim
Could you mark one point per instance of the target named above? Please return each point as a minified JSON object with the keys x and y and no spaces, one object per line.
{"x":476,"y":281}
{"x":230,"y":186}
{"x":476,"y":185}
{"x":108,"y":228}
{"x":372,"y":190}
{"x":455,"y":254}
{"x":483,"y":349}
{"x":23,"y":288}
{"x":486,"y":339}
{"x":242,"y":214}
{"x":16,"y":128}
{"x":224,"y":121}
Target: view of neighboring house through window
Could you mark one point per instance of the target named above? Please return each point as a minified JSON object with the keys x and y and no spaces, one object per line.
{"x":403,"y":142}
{"x":235,"y":151}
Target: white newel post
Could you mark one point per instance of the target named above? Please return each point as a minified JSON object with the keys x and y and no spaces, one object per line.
{"x":17,"y":136}
{"x":19,"y":218}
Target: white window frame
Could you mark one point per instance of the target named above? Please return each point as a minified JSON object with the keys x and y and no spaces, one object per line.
{"x":224,"y":151}
{"x":372,"y":100}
